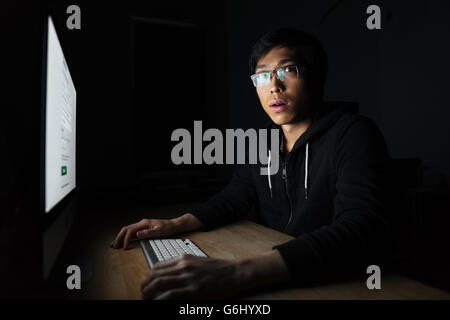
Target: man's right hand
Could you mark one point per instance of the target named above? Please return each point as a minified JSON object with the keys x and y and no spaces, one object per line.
{"x":146,"y":228}
{"x":155,"y":228}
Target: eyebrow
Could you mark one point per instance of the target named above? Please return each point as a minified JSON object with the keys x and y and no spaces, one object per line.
{"x":279,"y":62}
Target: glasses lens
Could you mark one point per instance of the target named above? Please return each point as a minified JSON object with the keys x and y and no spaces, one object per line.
{"x":261,"y":79}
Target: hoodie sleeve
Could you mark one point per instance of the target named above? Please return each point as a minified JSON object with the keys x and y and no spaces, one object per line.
{"x":231,"y":204}
{"x":360,"y":231}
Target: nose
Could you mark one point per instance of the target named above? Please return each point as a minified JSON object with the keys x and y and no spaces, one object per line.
{"x":276,"y":85}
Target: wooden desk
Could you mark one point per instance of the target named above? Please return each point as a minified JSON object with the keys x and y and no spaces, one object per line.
{"x":118,"y":273}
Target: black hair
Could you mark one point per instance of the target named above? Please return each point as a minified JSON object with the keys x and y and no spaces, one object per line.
{"x":309,"y":53}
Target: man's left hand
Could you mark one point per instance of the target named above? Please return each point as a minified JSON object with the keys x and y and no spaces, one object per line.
{"x":190,"y":277}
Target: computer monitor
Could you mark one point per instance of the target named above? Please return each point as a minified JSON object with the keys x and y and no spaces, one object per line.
{"x":60,"y":124}
{"x":58,"y":148}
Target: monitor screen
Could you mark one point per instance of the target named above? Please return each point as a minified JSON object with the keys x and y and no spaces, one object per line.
{"x":60,"y":124}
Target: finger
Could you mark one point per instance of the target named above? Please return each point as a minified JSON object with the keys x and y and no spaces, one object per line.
{"x":130,"y":234}
{"x":165,"y":268}
{"x":146,"y":233}
{"x":162,"y":284}
{"x":153,"y":274}
{"x":118,"y":240}
{"x":168,"y":263}
{"x":176,"y":294}
{"x":131,"y":231}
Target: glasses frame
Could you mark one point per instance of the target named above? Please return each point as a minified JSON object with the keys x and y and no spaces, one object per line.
{"x":277,"y":74}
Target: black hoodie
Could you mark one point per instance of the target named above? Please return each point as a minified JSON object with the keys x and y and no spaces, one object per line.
{"x":330,"y":193}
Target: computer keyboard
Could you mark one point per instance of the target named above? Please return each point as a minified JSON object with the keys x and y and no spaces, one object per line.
{"x":165,"y":249}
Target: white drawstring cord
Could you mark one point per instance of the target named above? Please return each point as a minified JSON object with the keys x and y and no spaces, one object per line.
{"x":306,"y":171}
{"x":268,"y":176}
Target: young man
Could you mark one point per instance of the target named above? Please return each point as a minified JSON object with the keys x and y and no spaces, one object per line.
{"x":329,"y":192}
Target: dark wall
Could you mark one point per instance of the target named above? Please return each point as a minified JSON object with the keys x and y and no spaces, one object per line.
{"x":414,"y":73}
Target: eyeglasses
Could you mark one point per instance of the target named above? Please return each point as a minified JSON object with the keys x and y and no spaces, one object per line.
{"x":263,"y":78}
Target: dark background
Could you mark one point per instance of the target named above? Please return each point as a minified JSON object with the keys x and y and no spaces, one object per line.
{"x":143,"y":68}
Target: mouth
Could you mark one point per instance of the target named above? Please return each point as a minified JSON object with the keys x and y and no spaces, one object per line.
{"x":278,"y":105}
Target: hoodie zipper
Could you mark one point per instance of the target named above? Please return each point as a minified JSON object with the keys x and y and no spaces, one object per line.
{"x":285,"y":178}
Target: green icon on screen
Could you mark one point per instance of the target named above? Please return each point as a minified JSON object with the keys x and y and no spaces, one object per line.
{"x":63,"y":170}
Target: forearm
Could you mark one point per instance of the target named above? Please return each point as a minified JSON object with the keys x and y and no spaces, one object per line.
{"x":263,"y":270}
{"x":185,"y":223}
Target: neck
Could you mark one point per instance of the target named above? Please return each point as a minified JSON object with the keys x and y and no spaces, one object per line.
{"x":292,"y":132}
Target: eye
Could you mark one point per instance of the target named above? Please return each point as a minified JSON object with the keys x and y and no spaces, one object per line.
{"x":290,"y":69}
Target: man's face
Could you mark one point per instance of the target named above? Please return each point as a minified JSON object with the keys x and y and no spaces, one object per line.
{"x":285,"y":102}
